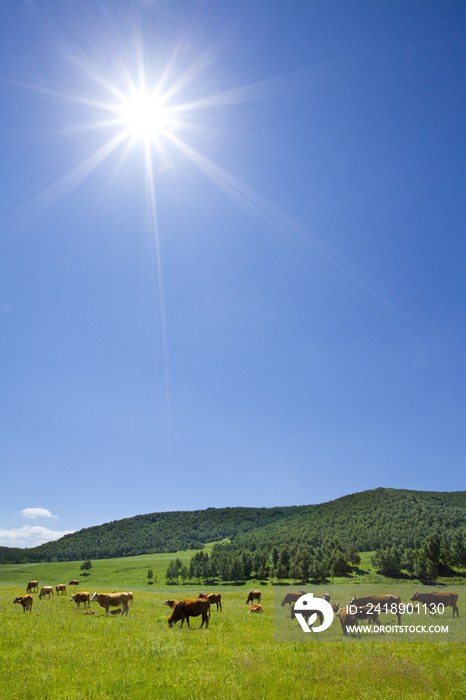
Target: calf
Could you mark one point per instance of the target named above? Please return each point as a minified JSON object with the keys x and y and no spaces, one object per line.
{"x":32,"y":585}
{"x":60,"y":588}
{"x":256,"y":608}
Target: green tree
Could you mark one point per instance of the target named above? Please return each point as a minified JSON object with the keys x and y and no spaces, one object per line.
{"x":86,"y":565}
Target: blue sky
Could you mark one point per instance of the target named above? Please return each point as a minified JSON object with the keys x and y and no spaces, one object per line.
{"x":232,"y":255}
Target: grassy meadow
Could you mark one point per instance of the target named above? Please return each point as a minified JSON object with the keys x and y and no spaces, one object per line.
{"x":57,"y":653}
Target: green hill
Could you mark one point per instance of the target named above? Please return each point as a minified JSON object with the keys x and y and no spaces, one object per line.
{"x":363,"y":521}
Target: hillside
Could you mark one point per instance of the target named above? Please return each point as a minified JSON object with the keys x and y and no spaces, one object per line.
{"x":364,"y":521}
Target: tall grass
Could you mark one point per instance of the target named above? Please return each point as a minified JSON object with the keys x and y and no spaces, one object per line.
{"x":57,"y":653}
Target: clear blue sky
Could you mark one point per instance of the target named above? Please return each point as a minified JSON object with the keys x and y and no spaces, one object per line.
{"x":232,"y":255}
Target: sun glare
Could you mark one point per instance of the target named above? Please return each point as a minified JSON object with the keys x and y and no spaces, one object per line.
{"x":144,"y":115}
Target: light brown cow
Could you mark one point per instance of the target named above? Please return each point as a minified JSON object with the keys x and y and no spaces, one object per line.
{"x":256,"y":608}
{"x":192,"y":607}
{"x":81,"y":597}
{"x":46,"y":590}
{"x":74,"y":582}
{"x":112,"y":600}
{"x":213,"y":598}
{"x":89,"y":612}
{"x":32,"y":585}
{"x":26,"y":601}
{"x":436,"y":598}
{"x":60,"y":588}
{"x":171,"y":603}
{"x":388,"y":603}
{"x":253,"y":595}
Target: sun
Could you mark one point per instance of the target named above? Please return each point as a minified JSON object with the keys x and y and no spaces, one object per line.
{"x":144,"y":115}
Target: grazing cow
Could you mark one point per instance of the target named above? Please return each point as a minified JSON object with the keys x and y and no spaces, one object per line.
{"x":253,"y":595}
{"x":73,"y":583}
{"x":111,"y":600}
{"x":382,"y":600}
{"x":171,"y":603}
{"x":115,"y":612}
{"x":89,"y":612}
{"x":291,"y":598}
{"x":32,"y":585}
{"x":446,"y":598}
{"x":60,"y":587}
{"x":363,"y":612}
{"x":256,"y":607}
{"x":26,"y":601}
{"x":192,"y":607}
{"x":46,"y":590}
{"x":82,"y":597}
{"x":213,"y":598}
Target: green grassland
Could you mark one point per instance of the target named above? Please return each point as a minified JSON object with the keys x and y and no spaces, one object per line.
{"x":57,"y":653}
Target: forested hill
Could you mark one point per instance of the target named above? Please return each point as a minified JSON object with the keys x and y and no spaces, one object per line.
{"x":364,"y":521}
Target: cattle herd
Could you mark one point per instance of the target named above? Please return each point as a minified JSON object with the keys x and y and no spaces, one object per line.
{"x":362,"y":608}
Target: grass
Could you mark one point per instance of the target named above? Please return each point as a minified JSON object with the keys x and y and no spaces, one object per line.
{"x":57,"y":653}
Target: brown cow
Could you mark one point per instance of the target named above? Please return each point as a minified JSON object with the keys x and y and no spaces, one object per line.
{"x":308,"y":614}
{"x":171,"y":603}
{"x":60,"y":587}
{"x":111,"y":600}
{"x":192,"y":607}
{"x":32,"y":585}
{"x":89,"y":612}
{"x":26,"y":601}
{"x":213,"y":598}
{"x":291,"y":598}
{"x":73,"y":583}
{"x":436,"y":598}
{"x":352,"y":614}
{"x":385,"y":601}
{"x":253,"y":595}
{"x":256,"y":608}
{"x":81,"y":597}
{"x":46,"y":590}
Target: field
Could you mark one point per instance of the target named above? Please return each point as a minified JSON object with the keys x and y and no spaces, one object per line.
{"x":57,"y":653}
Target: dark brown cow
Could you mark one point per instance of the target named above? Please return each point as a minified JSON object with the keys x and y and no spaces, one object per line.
{"x":308,"y":614}
{"x":256,"y":608}
{"x":73,"y":583}
{"x":116,"y":612}
{"x":445,"y":598}
{"x":253,"y":595}
{"x":382,"y":600}
{"x":46,"y":590}
{"x":213,"y":598}
{"x":81,"y":597}
{"x":60,"y":588}
{"x":291,"y":598}
{"x":26,"y":601}
{"x":111,"y":600}
{"x":192,"y":607}
{"x":32,"y":585}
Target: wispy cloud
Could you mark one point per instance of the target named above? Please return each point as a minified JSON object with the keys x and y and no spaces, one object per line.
{"x":30,"y":536}
{"x":37,"y":513}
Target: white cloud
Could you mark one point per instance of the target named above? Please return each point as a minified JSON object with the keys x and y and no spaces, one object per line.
{"x":37,"y":513}
{"x":30,"y":536}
